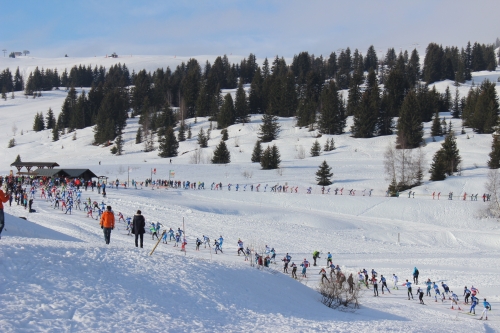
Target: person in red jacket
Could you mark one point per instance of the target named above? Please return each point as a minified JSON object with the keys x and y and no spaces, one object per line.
{"x":3,"y":198}
{"x":107,"y":223}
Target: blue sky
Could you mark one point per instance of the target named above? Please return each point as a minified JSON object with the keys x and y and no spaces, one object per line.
{"x":265,"y":28}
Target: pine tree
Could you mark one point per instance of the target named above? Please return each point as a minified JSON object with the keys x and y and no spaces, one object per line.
{"x":443,"y":126}
{"x":275,"y":157}
{"x":269,"y":129}
{"x":494,"y":161}
{"x":226,"y":116}
{"x":18,"y":159}
{"x":332,"y":144}
{"x":55,"y":133}
{"x":221,"y":154}
{"x":270,"y":158}
{"x":224,"y":135}
{"x":138,"y":136}
{"x":50,"y":120}
{"x":438,"y":167}
{"x":385,"y":122}
{"x":241,"y":104}
{"x":445,"y":160}
{"x":367,"y":112}
{"x":168,"y":144}
{"x":265,"y":159}
{"x":316,"y":149}
{"x":455,"y":110}
{"x":436,"y":129}
{"x":202,"y":139}
{"x":190,"y":134}
{"x":332,"y":118}
{"x":326,"y":147}
{"x":119,"y":144}
{"x":257,"y":152}
{"x":181,"y":136}
{"x":324,"y":174}
{"x":410,"y":127}
{"x":38,"y":123}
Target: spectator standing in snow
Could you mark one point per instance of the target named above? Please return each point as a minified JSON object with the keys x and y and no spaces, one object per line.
{"x":3,"y":198}
{"x":107,"y":223}
{"x":138,"y":225}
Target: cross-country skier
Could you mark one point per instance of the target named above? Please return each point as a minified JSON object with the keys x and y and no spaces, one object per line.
{"x":395,"y":281}
{"x":273,"y":255}
{"x":375,"y":285}
{"x":350,"y":282}
{"x":221,"y":240}
{"x":198,"y":243}
{"x":429,"y":286}
{"x":446,"y":288}
{"x":171,"y":234}
{"x":436,"y":291}
{"x":164,"y":238}
{"x":240,"y":247}
{"x":474,"y":291}
{"x":206,"y":241}
{"x":69,"y":206}
{"x":315,"y":256}
{"x":415,"y":275}
{"x":408,"y":286}
{"x":487,"y":307}
{"x":420,"y":294}
{"x":120,"y":217}
{"x":467,"y":295}
{"x":294,"y":270}
{"x":323,"y":275}
{"x":329,"y":259}
{"x":384,"y":284}
{"x":217,"y":246}
{"x":454,"y":300}
{"x":304,"y":266}
{"x":285,"y":264}
{"x":177,"y":240}
{"x":473,"y":306}
{"x":152,"y":229}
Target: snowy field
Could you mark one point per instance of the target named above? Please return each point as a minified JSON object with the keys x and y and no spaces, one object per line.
{"x":57,"y":274}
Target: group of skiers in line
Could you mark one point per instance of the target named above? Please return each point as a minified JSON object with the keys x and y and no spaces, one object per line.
{"x":464,"y":196}
{"x":365,"y":280}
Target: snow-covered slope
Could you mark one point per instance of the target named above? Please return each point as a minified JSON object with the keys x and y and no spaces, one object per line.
{"x":56,"y":273}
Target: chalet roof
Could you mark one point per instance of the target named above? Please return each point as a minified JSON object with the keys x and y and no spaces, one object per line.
{"x":70,"y":173}
{"x":35,"y":164}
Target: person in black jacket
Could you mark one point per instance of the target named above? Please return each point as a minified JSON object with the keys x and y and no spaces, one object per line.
{"x":138,"y":224}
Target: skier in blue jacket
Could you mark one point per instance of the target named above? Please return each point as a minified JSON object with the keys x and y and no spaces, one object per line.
{"x":408,"y":286}
{"x":473,"y":306}
{"x":429,"y":286}
{"x":487,"y":307}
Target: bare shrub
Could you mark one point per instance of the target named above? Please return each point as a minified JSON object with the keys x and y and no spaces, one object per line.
{"x":301,"y":152}
{"x":493,"y":187}
{"x":196,"y":157}
{"x":247,"y":174}
{"x":12,"y":143}
{"x":404,"y":167}
{"x":335,"y":294}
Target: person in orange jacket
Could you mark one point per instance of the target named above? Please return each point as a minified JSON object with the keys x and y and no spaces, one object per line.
{"x":3,"y":198}
{"x":107,"y":223}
